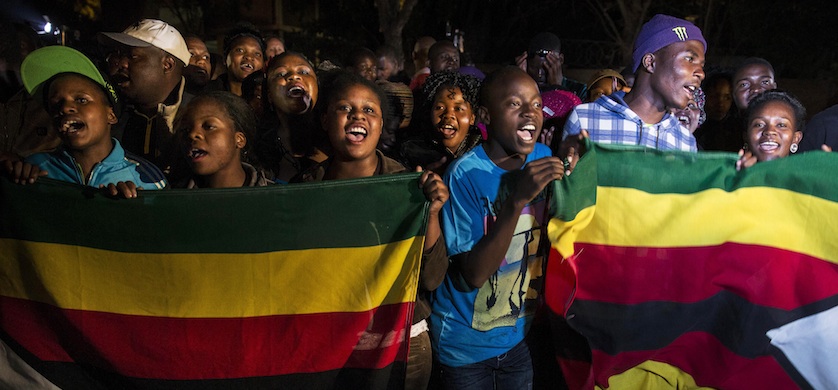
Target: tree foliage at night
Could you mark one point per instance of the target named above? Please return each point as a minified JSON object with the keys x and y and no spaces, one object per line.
{"x":794,"y":35}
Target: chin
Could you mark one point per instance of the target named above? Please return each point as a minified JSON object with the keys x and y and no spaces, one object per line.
{"x":451,"y":144}
{"x":525,"y":149}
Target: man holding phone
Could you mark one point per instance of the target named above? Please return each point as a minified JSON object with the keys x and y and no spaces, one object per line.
{"x":543,"y":61}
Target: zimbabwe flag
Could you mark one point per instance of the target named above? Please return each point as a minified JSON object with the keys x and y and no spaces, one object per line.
{"x":298,"y":286}
{"x":682,"y":273}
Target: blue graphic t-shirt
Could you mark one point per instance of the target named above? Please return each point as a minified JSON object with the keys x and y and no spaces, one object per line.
{"x":472,"y":326}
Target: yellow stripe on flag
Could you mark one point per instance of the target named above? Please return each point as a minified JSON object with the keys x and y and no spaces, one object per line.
{"x":564,"y":233}
{"x":307,"y":281}
{"x":652,"y":375}
{"x":754,"y":215}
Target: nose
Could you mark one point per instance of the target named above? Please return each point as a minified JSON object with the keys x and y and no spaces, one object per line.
{"x":700,"y":73}
{"x":122,"y":62}
{"x":67,"y":107}
{"x":357,"y":114}
{"x":530,"y":111}
{"x":196,"y":132}
{"x":447,"y":113}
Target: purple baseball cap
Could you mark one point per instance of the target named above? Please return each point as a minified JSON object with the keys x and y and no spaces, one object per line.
{"x":662,"y":31}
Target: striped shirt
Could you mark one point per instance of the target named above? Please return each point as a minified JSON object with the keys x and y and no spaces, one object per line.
{"x":609,"y":120}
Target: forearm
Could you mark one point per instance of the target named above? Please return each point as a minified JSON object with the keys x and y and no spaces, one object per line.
{"x":434,"y":266}
{"x":433,"y":232}
{"x":434,"y":256}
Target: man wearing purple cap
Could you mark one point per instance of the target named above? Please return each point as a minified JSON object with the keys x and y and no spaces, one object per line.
{"x":668,"y":63}
{"x":149,"y":76}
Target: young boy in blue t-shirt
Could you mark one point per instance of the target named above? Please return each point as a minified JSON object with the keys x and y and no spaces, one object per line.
{"x":493,"y":225}
{"x":81,"y":105}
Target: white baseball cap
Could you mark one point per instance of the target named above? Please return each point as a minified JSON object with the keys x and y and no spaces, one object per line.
{"x":153,"y":32}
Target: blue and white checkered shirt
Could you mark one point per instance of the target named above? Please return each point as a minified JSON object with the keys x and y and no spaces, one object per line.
{"x":609,"y":120}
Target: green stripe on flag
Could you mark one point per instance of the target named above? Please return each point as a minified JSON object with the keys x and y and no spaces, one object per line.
{"x":666,"y":175}
{"x":332,"y":214}
{"x":667,"y":172}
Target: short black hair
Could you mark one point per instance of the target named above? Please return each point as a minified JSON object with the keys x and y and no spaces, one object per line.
{"x":544,"y":41}
{"x":192,"y":35}
{"x":714,"y":78}
{"x":242,"y":29}
{"x":239,"y":112}
{"x":754,"y":61}
{"x":495,"y":77}
{"x":777,"y":95}
{"x":358,"y":55}
{"x":337,"y":81}
{"x":437,"y":47}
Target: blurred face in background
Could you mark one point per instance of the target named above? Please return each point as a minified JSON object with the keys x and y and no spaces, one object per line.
{"x":199,"y":69}
{"x":719,"y":99}
{"x":274,"y":47}
{"x":751,"y":81}
{"x":386,"y":67}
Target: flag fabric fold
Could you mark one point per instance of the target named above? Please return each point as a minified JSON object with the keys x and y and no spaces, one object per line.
{"x":679,"y":270}
{"x":304,"y":286}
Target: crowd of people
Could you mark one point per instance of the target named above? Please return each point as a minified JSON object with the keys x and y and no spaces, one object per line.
{"x":151,"y":110}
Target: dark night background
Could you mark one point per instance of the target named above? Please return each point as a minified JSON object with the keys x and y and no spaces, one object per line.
{"x":798,"y":37}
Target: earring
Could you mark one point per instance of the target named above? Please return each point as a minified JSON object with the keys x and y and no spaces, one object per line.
{"x":793,"y":148}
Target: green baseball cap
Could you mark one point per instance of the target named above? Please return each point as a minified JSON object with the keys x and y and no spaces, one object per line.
{"x":45,"y":63}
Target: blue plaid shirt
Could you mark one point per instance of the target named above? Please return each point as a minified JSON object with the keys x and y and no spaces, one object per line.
{"x":609,"y":120}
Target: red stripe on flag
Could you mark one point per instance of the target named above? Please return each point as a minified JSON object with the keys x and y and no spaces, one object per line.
{"x":209,"y":348}
{"x":704,"y":358}
{"x":560,"y":283}
{"x":763,"y":275}
{"x":577,"y":373}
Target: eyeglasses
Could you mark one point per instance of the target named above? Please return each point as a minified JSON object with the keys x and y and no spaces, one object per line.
{"x":542,"y":53}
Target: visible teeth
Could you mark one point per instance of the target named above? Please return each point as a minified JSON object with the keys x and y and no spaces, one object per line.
{"x":448,"y":131}
{"x":247,"y":66}
{"x":358,"y":130}
{"x":691,"y":87}
{"x":196,"y":153}
{"x":296,"y":91}
{"x":769,"y":146}
{"x":71,"y":126}
{"x":528,"y":128}
{"x":683,"y":118}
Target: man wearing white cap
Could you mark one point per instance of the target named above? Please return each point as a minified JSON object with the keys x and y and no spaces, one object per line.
{"x":152,"y":55}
